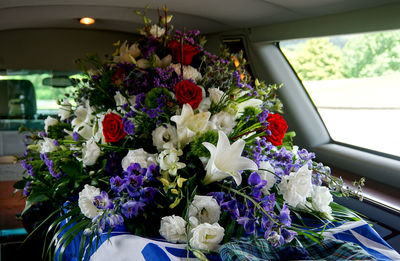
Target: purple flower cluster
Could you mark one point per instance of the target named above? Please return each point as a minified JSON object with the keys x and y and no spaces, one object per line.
{"x":132,"y":189}
{"x":262,"y":117}
{"x":165,"y":78}
{"x":50,"y":165}
{"x":27,"y":188}
{"x":236,"y":76}
{"x":28,"y":167}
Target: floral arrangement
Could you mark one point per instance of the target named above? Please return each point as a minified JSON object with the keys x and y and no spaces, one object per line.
{"x":164,"y":132}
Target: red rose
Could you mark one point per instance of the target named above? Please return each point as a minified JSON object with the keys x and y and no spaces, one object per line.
{"x":188,"y":52}
{"x":113,"y":129}
{"x":187,"y":92}
{"x":278,"y":126}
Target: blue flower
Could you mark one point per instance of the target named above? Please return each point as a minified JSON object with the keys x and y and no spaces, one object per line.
{"x":103,"y":201}
{"x":284,"y":216}
{"x":131,"y":208}
{"x":118,"y":184}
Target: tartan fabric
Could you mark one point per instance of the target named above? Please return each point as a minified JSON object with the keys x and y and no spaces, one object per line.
{"x":259,"y":249}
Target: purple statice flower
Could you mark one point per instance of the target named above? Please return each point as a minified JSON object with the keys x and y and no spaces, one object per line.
{"x":150,"y":48}
{"x":262,"y":117}
{"x":129,"y":126}
{"x":236,"y":75}
{"x":56,"y":143}
{"x":275,"y":239}
{"x":27,"y":188}
{"x":284,"y":216}
{"x":28,"y":167}
{"x":43,"y":134}
{"x":50,"y":165}
{"x":124,"y":106}
{"x":139,"y":101}
{"x":118,"y":184}
{"x":316,"y":179}
{"x":75,"y":136}
{"x":103,"y":201}
{"x":132,"y":208}
{"x":288,"y":235}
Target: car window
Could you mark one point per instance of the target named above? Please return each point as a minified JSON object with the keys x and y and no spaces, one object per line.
{"x":353,"y":82}
{"x":29,"y":96}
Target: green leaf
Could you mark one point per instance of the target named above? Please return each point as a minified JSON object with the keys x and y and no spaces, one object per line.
{"x":37,"y":197}
{"x":20,"y":184}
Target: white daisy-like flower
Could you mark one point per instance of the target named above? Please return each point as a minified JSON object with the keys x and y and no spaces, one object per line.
{"x":205,"y":208}
{"x":164,"y":134}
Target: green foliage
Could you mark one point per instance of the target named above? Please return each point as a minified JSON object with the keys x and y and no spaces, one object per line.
{"x":369,"y":55}
{"x":317,"y":59}
{"x":151,"y":100}
{"x":197,"y":147}
{"x":57,"y":131}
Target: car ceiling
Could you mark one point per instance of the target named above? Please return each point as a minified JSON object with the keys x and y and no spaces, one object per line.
{"x":207,"y":15}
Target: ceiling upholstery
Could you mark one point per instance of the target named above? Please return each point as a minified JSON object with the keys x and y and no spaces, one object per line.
{"x":207,"y":15}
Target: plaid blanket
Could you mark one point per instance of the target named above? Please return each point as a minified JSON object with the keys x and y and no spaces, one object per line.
{"x":259,"y":249}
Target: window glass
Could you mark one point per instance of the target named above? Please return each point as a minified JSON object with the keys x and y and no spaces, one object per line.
{"x":353,"y":81}
{"x":29,"y":96}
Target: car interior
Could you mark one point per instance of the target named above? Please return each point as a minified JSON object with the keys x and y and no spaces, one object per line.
{"x":40,"y":42}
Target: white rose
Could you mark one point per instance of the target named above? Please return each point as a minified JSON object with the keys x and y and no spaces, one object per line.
{"x":65,"y":110}
{"x":156,"y":31}
{"x":47,"y":145}
{"x":189,"y":72}
{"x":90,"y":152}
{"x":223,"y":121}
{"x":296,"y":187}
{"x":169,"y":160}
{"x":173,"y":229}
{"x":85,"y":201}
{"x":120,"y":100}
{"x":49,"y":121}
{"x":138,"y":156}
{"x":215,"y":95}
{"x":207,"y":236}
{"x":321,"y":198}
{"x":266,"y":172}
{"x":206,"y":208}
{"x":164,"y":134}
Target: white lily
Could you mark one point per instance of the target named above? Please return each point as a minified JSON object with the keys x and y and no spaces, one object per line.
{"x":226,"y":160}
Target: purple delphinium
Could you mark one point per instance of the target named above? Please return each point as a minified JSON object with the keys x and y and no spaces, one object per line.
{"x":103,"y":201}
{"x":132,"y":208}
{"x":148,"y":194}
{"x":275,"y":239}
{"x":118,"y":184}
{"x":153,"y":171}
{"x":284,"y":216}
{"x":288,"y":235}
{"x":113,"y":164}
{"x":114,"y":220}
{"x":129,"y":126}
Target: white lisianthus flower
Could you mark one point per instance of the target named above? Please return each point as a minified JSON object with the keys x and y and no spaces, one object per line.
{"x":127,"y":54}
{"x":190,"y":124}
{"x":204,"y":105}
{"x":189,"y":72}
{"x":138,"y":156}
{"x":206,"y":236}
{"x":226,"y":160}
{"x":164,"y":134}
{"x":47,"y":145}
{"x":249,"y":103}
{"x":205,"y":208}
{"x":157,"y":31}
{"x":49,"y":121}
{"x":215,"y":95}
{"x":266,"y":172}
{"x":65,"y":110}
{"x":296,"y":187}
{"x":85,"y":201}
{"x":320,"y":200}
{"x":90,"y":152}
{"x":168,"y":160}
{"x":120,"y":100}
{"x":173,"y":229}
{"x":223,"y":121}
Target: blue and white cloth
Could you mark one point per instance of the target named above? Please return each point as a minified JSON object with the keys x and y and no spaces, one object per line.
{"x":122,"y":246}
